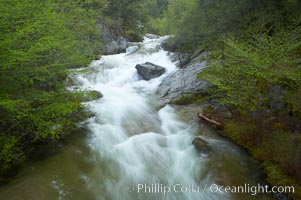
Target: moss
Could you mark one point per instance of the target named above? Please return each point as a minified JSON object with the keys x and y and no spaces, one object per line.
{"x":189,"y":99}
{"x":275,"y":174}
{"x":85,"y":96}
{"x":232,"y":129}
{"x":209,"y":109}
{"x":84,"y":70}
{"x":278,"y":150}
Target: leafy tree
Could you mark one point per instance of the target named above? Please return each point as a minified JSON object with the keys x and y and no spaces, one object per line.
{"x":259,"y":62}
{"x":257,"y":75}
{"x":126,"y":18}
{"x":39,"y":40}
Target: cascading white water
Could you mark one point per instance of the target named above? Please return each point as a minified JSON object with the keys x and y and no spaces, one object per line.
{"x":135,"y":143}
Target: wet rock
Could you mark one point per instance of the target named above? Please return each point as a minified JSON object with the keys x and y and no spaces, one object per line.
{"x":184,"y":81}
{"x":149,"y":70}
{"x":113,"y":43}
{"x":110,"y":48}
{"x":152,"y":36}
{"x":106,"y":33}
{"x":171,"y":47}
{"x":179,"y":58}
{"x":201,"y":145}
{"x":114,"y":47}
{"x":121,"y":45}
{"x":132,"y":49}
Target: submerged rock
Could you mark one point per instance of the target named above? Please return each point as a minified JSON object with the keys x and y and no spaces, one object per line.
{"x":201,"y":145}
{"x":183,"y":81}
{"x":149,"y":70}
{"x":132,"y":49}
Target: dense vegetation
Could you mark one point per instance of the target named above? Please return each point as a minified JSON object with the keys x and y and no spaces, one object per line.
{"x":128,"y":18}
{"x":255,"y":50}
{"x":39,"y":40}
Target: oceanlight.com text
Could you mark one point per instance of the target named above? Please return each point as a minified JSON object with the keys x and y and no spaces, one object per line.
{"x":253,"y":190}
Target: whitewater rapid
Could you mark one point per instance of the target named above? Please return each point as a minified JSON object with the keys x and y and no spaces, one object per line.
{"x":134,"y":142}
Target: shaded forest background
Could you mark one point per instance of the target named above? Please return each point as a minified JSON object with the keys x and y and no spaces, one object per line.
{"x":254,"y":57}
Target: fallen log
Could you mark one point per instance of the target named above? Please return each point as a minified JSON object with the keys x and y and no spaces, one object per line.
{"x":202,"y":116}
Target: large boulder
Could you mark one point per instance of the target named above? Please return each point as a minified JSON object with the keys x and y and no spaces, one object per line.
{"x":149,"y":70}
{"x":114,"y":47}
{"x":110,"y":48}
{"x":177,"y":57}
{"x":183,"y":81}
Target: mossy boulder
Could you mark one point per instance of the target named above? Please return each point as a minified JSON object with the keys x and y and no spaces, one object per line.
{"x":85,"y":96}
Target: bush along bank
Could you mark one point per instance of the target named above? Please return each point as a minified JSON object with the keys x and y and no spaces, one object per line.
{"x":39,"y":41}
{"x":261,"y":88}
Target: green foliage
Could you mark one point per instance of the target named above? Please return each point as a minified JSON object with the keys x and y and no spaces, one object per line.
{"x":84,"y":96}
{"x":156,"y":26}
{"x":259,"y":63}
{"x":258,"y":74}
{"x":195,"y":21}
{"x":10,"y":151}
{"x":131,"y":18}
{"x":190,"y":98}
{"x":126,"y":18}
{"x":39,"y":40}
{"x":180,"y":17}
{"x":279,"y":150}
{"x":233,"y":130}
{"x":276,"y":175}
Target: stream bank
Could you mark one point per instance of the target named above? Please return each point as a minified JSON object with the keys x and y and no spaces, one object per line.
{"x":184,"y":88}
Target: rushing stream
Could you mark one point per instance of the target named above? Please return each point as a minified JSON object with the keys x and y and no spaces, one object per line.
{"x":135,"y":148}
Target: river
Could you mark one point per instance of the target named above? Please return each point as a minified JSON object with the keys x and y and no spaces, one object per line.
{"x":135,"y":148}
